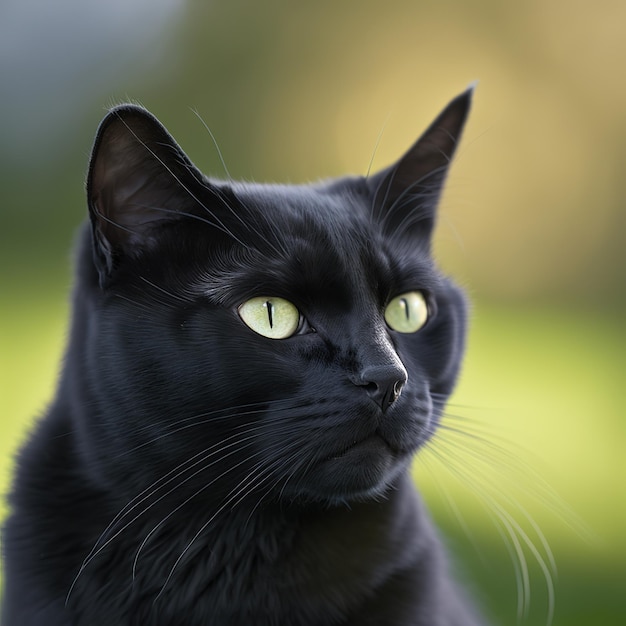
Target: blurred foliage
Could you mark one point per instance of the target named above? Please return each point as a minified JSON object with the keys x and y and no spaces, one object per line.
{"x":295,"y":91}
{"x":532,"y":221}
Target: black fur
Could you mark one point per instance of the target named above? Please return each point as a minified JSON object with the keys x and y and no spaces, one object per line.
{"x":191,"y":471}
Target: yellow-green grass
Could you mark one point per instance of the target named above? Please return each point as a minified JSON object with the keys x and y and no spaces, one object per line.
{"x":538,"y":426}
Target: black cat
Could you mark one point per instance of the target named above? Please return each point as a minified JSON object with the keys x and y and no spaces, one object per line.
{"x":250,"y":371}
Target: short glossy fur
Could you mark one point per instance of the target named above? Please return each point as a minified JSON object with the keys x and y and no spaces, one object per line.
{"x":191,"y":471}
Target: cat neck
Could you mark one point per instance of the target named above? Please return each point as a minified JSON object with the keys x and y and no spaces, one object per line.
{"x":304,"y":558}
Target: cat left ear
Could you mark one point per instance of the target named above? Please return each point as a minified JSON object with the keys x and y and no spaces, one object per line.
{"x":139,"y":179}
{"x":405,"y":195}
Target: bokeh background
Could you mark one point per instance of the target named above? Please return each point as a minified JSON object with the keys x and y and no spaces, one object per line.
{"x":529,"y":474}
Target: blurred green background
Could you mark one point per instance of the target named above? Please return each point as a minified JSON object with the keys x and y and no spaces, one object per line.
{"x":530,"y":465}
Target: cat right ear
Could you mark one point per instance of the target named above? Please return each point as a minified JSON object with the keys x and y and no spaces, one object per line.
{"x":405,"y":195}
{"x":139,"y":179}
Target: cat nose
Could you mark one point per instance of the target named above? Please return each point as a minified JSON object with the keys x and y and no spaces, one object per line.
{"x":383,"y":383}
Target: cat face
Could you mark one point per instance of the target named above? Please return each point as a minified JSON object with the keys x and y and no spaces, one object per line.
{"x":292,"y":342}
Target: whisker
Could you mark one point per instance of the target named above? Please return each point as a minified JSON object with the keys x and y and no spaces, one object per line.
{"x":518,"y":471}
{"x":215,"y":144}
{"x":520,"y":564}
{"x":408,"y":195}
{"x":283,"y":462}
{"x":180,"y":506}
{"x":380,"y":135}
{"x":513,"y":528}
{"x":236,"y":493}
{"x":168,"y":478}
{"x":165,"y":291}
{"x":140,"y":305}
{"x":227,"y":413}
{"x":454,"y":509}
{"x":97,"y":549}
{"x":188,"y":191}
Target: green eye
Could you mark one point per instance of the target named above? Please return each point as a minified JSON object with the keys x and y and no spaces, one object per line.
{"x":271,"y":317}
{"x":407,"y":313}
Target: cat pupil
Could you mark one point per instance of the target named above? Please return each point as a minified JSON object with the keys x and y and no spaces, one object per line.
{"x":405,"y":306}
{"x":270,"y":313}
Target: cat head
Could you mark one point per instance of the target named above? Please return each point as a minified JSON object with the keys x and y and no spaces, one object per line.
{"x":294,"y":341}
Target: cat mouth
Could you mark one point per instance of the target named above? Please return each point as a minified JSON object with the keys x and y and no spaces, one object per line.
{"x":373,"y":444}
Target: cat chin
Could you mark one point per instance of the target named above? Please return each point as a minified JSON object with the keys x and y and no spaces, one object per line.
{"x":364,"y":471}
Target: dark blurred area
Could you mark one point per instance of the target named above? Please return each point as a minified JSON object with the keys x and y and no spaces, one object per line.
{"x":532,"y":222}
